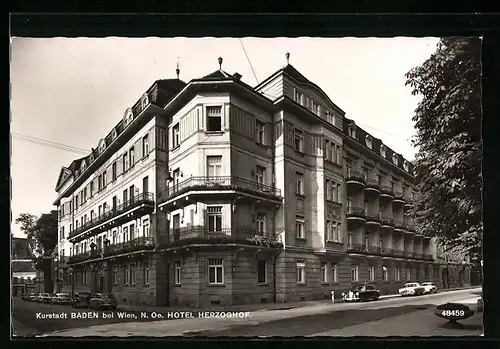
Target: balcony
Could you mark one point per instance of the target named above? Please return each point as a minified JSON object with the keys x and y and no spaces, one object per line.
{"x":363,"y":249}
{"x":399,"y":225}
{"x":356,"y":213}
{"x":355,"y":178}
{"x":409,"y":254}
{"x":399,"y":197}
{"x":138,"y":244}
{"x":202,"y":235}
{"x":428,"y":257}
{"x":387,"y":222}
{"x":209,"y":185}
{"x":373,"y":218}
{"x":392,"y":252}
{"x":144,"y":202}
{"x":372,"y":186}
{"x":409,"y":200}
{"x":386,"y":192}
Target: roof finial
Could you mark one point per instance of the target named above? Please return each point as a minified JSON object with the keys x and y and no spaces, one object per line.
{"x":287,"y":58}
{"x":220,"y":63}
{"x":177,"y":71}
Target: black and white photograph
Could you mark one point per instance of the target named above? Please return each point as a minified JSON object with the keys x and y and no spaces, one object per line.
{"x":246,"y":187}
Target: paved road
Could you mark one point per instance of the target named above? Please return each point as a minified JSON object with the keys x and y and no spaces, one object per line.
{"x":305,"y":321}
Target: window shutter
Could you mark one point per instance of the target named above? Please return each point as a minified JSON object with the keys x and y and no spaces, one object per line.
{"x":152,"y":139}
{"x":138,"y":150}
{"x":119,"y":166}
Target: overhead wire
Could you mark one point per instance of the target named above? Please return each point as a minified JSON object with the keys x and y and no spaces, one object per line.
{"x":50,"y":144}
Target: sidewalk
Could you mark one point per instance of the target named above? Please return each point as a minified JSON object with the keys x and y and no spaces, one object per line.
{"x":420,"y":323}
{"x":19,"y":330}
{"x":256,"y":307}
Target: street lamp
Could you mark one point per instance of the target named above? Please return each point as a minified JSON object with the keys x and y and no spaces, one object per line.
{"x":72,"y":277}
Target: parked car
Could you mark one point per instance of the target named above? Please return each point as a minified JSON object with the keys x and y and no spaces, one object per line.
{"x":32,"y":297}
{"x":361,"y":293}
{"x":44,"y":298}
{"x":411,"y":289}
{"x":26,"y":297}
{"x":81,"y":300}
{"x":61,"y":298}
{"x":429,"y":287}
{"x":103,"y":301}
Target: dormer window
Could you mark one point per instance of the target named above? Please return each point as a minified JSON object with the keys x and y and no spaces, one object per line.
{"x":113,"y":134}
{"x":102,"y":146}
{"x":83,"y":166}
{"x":383,"y":150}
{"x":406,"y":165}
{"x":395,"y":158}
{"x":330,"y":118}
{"x":91,"y":157}
{"x":298,"y":96}
{"x":369,"y":141}
{"x":128,"y":117}
{"x":144,"y":101}
{"x":352,"y":130}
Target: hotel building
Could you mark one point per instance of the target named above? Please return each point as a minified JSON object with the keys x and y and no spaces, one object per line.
{"x":216,"y":192}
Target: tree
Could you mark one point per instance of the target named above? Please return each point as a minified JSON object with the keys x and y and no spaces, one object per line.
{"x":43,"y":231}
{"x":448,"y":138}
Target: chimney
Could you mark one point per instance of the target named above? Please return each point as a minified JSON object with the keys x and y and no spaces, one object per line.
{"x":237,"y":76}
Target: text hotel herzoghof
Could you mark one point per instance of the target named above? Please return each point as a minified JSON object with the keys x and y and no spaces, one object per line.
{"x":216,"y":192}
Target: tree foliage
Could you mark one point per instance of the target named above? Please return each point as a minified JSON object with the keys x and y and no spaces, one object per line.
{"x":43,"y":232}
{"x":448,"y":139}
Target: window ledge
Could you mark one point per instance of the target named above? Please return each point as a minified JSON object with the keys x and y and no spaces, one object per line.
{"x":325,"y":283}
{"x":302,"y":196}
{"x":334,"y":242}
{"x":176,"y":285}
{"x":146,"y":285}
{"x":175,"y":148}
{"x":214,"y":132}
{"x":301,"y":283}
{"x":262,"y":284}
{"x":300,"y":238}
{"x":216,"y":285}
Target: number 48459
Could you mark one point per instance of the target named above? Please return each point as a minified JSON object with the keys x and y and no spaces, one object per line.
{"x":453,"y":313}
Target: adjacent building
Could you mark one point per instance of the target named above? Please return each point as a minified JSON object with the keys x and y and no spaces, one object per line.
{"x":216,"y":192}
{"x":23,"y":274}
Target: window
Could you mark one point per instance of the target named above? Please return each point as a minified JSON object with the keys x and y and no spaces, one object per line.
{"x":145,"y":273}
{"x":261,"y":223}
{"x":260,"y":174}
{"x":330,"y":118}
{"x":395,"y":158}
{"x":125,"y":162}
{"x":261,"y":271}
{"x":214,"y":166}
{"x":333,"y":152}
{"x":354,"y":272}
{"x":383,"y":150}
{"x":301,"y":272}
{"x":125,"y":196}
{"x":214,"y":118}
{"x":368,"y":141}
{"x":259,"y":131}
{"x":316,"y":109}
{"x":91,"y":189}
{"x":132,"y":274}
{"x":145,"y":146}
{"x":332,"y":231}
{"x":131,"y":157}
{"x":215,"y":271}
{"x":115,"y":277}
{"x":113,"y":171}
{"x":333,"y":274}
{"x":371,"y":273}
{"x":85,"y":194}
{"x":299,"y":180}
{"x":114,"y":238}
{"x":62,"y":233}
{"x":405,"y":165}
{"x":332,"y":191}
{"x":145,"y":185}
{"x":396,"y":274}
{"x":352,"y":131}
{"x":324,"y":272}
{"x":132,"y":231}
{"x":385,"y":273}
{"x":214,"y":215}
{"x":145,"y":102}
{"x":177,"y":273}
{"x":299,"y":140}
{"x":145,"y":228}
{"x":175,"y":136}
{"x":125,"y":234}
{"x":300,"y":227}
{"x":298,"y":97}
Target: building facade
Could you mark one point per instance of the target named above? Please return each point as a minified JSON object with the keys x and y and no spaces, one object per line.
{"x":23,"y":275}
{"x":216,"y":192}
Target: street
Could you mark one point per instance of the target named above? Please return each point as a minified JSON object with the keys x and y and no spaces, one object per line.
{"x":397,"y":316}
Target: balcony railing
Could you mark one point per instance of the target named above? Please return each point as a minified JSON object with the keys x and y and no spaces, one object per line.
{"x":409,"y":254}
{"x":374,"y":250}
{"x":399,"y":224}
{"x":372,"y":183}
{"x":139,"y":199}
{"x":399,"y":195}
{"x":138,"y":244}
{"x":373,"y":216}
{"x":386,"y":189}
{"x":219,"y":183}
{"x":387,"y":220}
{"x":356,"y":248}
{"x":353,"y":175}
{"x":203,"y":235}
{"x":356,"y":212}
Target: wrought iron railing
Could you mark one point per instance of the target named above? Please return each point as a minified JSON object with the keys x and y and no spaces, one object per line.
{"x":373,"y":216}
{"x":374,"y":250}
{"x":356,"y":212}
{"x":197,"y":234}
{"x":399,"y":195}
{"x":218,"y":183}
{"x":353,"y":175}
{"x":359,"y":248}
{"x":387,"y":220}
{"x":139,"y":199}
{"x":372,"y":183}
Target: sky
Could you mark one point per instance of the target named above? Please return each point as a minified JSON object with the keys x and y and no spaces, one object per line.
{"x":72,"y":91}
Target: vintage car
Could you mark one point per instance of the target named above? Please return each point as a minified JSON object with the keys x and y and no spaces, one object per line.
{"x":61,"y":298}
{"x":103,"y":301}
{"x":32,"y":297}
{"x":44,"y":297}
{"x":411,"y":289}
{"x":429,"y":287}
{"x":361,"y":293}
{"x":81,"y":300}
